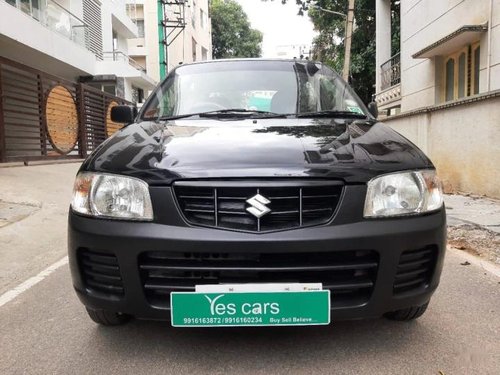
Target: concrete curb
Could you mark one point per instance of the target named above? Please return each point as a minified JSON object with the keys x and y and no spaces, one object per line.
{"x":488,"y":266}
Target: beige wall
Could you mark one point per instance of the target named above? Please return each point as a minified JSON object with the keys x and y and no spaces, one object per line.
{"x":424,"y":22}
{"x":151,"y":39}
{"x":463,"y":142}
{"x":181,"y":49}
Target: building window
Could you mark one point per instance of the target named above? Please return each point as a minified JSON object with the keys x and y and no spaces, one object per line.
{"x":137,"y":95}
{"x":110,"y":89}
{"x":107,"y":87}
{"x":204,"y":54}
{"x":203,"y":19}
{"x":193,"y":15}
{"x":193,"y":48}
{"x":31,"y":7}
{"x":476,"y":52}
{"x":140,"y":28}
{"x":115,"y":41}
{"x":461,"y":73}
{"x":450,"y":79}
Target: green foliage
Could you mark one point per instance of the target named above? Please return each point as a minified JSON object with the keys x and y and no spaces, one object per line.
{"x":395,"y":27}
{"x":328,"y":46}
{"x":232,"y":35}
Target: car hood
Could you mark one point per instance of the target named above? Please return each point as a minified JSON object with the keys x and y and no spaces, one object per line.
{"x":160,"y":153}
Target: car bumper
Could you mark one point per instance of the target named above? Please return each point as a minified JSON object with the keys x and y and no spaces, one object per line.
{"x":386,"y":240}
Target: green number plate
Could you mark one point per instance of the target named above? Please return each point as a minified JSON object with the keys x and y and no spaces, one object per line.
{"x":250,"y":309}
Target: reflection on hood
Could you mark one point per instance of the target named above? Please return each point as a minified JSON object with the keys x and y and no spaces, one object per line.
{"x":160,"y":153}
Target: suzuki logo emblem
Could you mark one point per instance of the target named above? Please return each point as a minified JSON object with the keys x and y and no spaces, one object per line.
{"x":258,"y":206}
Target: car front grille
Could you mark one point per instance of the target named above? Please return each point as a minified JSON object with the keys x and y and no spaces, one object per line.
{"x":415,"y":270}
{"x":291,"y":204}
{"x":349,"y":275}
{"x":101,"y":272}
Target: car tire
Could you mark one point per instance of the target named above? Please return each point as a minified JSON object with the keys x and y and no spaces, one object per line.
{"x":404,"y":315}
{"x":107,"y":318}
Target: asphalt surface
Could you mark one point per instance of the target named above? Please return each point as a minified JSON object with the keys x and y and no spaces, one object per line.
{"x":45,"y":330}
{"x":42,"y":194}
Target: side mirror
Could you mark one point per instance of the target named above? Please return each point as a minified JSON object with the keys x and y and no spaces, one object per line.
{"x":123,"y":114}
{"x":373,"y":108}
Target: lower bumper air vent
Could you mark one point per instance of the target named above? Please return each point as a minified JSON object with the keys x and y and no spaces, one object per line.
{"x":101,"y":272}
{"x":415,"y":270}
{"x":349,"y":275}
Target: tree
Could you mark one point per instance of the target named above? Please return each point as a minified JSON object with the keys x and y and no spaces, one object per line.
{"x":328,"y":46}
{"x":396,"y":26}
{"x":232,"y":35}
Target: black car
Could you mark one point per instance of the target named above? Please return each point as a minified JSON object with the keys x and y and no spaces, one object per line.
{"x":255,"y":176}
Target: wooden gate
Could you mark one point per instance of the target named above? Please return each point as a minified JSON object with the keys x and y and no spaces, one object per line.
{"x":47,"y":117}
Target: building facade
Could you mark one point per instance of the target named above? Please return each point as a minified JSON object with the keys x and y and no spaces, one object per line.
{"x":442,"y":90}
{"x":78,"y":40}
{"x":64,"y":65}
{"x":293,"y":51}
{"x":171,"y":32}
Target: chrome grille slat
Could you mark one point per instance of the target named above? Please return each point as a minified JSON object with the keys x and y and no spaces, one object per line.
{"x":231,"y":212}
{"x":293,"y":204}
{"x":199,"y":210}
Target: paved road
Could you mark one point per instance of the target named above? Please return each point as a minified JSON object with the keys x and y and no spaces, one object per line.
{"x":45,"y":329}
{"x":30,"y":245}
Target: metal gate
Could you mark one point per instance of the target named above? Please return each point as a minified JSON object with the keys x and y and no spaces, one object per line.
{"x":47,"y":117}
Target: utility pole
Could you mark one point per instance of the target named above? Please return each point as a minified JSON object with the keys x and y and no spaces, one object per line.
{"x":348,"y":40}
{"x":162,"y":45}
{"x":349,"y":27}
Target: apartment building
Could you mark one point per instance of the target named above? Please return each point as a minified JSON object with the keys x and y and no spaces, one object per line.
{"x":293,"y":51}
{"x":78,"y":40}
{"x":171,"y":32}
{"x":442,"y":88}
{"x":64,"y":65}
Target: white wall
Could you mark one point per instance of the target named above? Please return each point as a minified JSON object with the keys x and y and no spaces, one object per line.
{"x":424,"y":22}
{"x":462,"y":142}
{"x":151,"y":38}
{"x":114,"y":18}
{"x":383,"y":38}
{"x":181,"y":48}
{"x":26,"y":40}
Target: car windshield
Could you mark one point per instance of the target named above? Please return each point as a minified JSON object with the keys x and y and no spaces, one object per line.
{"x":277,"y":87}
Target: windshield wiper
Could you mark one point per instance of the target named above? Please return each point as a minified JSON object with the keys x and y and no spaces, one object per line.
{"x":332,"y":114}
{"x":240,"y":112}
{"x":177,"y":117}
{"x":227,"y":113}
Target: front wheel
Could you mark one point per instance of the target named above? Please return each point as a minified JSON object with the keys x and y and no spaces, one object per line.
{"x":107,"y":318}
{"x":410,"y":313}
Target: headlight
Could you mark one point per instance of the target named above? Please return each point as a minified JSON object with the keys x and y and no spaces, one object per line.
{"x":407,"y":193}
{"x":111,"y":196}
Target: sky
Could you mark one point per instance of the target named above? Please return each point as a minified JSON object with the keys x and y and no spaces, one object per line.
{"x":280,"y":24}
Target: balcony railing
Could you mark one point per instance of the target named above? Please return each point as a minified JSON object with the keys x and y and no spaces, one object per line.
{"x":391,"y":72}
{"x":54,"y":16}
{"x":120,"y":56}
